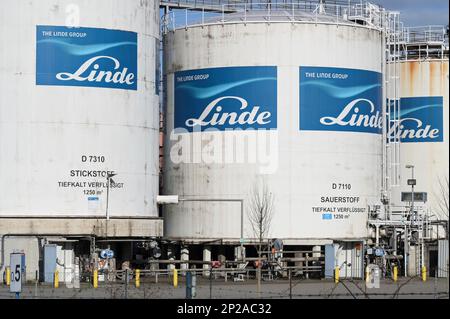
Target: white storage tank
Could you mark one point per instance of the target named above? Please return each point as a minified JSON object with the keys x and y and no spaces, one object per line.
{"x":79,"y":102}
{"x":285,"y":103}
{"x":424,"y":117}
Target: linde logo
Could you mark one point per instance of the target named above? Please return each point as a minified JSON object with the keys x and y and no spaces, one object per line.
{"x":228,"y":98}
{"x":93,"y":74}
{"x":350,"y":116}
{"x":417,"y":130}
{"x":214,"y":114}
{"x":337,"y":99}
{"x":420,"y":120}
{"x":89,"y":57}
{"x":226,"y":115}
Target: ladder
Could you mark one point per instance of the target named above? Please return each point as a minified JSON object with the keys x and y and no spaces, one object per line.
{"x":391,"y":105}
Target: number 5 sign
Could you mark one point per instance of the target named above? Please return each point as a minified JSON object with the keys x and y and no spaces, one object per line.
{"x":16,"y":272}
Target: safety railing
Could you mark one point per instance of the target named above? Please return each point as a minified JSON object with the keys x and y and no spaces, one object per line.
{"x":362,"y":13}
{"x":429,"y":42}
{"x":424,"y":34}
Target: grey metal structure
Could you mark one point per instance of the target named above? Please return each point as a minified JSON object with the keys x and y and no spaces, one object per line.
{"x":49,"y":262}
{"x":443,"y":258}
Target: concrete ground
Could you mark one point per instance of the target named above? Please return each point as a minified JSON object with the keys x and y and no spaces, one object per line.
{"x":276,"y":289}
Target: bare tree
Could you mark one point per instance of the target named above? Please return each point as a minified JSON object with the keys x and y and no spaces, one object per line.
{"x":260,"y":216}
{"x":443,"y":198}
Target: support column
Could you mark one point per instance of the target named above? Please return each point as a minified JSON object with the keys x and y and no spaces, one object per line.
{"x":206,"y":257}
{"x":316,"y":251}
{"x":413,"y":267}
{"x":316,"y":254}
{"x":76,"y":273}
{"x":170,"y":256}
{"x":307,"y":263}
{"x":222,"y":258}
{"x":239,"y":252}
{"x":184,"y":255}
{"x":299,"y":264}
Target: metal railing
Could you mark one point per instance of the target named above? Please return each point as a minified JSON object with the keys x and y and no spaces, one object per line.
{"x":308,"y":11}
{"x":424,"y":43}
{"x":425,"y":34}
{"x":241,"y":285}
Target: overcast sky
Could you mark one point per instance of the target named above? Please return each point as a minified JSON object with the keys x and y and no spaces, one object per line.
{"x":418,"y":12}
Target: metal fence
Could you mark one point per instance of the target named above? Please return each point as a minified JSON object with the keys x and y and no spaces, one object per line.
{"x":230,"y":283}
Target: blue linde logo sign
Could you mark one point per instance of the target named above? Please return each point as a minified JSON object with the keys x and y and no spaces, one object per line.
{"x":421,"y":120}
{"x":226,"y":98}
{"x":337,"y":99}
{"x":86,"y":57}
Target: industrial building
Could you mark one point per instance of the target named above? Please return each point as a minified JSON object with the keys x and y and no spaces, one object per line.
{"x":146,"y":134}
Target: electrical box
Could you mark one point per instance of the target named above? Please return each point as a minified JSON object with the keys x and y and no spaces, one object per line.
{"x":330,"y":262}
{"x":418,"y":197}
{"x":49,"y":262}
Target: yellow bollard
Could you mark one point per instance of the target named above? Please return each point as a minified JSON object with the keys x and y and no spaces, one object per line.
{"x":175,"y":277}
{"x":56,"y":279}
{"x":424,"y":273}
{"x":138,"y":278}
{"x":395,"y":273}
{"x":95,"y":279}
{"x":336,"y":275}
{"x":367,"y":274}
{"x":8,"y":276}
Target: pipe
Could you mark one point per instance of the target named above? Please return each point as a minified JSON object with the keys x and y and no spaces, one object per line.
{"x":405,"y":251}
{"x":377,"y":235}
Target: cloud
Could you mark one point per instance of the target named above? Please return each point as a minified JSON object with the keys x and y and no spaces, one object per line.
{"x":419,"y":12}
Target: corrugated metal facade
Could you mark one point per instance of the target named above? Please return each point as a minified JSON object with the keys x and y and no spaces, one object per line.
{"x":443,"y":258}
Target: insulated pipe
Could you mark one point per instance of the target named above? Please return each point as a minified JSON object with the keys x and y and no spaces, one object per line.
{"x":207,"y":259}
{"x":405,"y":251}
{"x":377,"y":235}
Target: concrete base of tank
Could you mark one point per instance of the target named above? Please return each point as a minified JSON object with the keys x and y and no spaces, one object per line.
{"x":97,"y":227}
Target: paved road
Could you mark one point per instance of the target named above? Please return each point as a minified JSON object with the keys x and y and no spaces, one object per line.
{"x":413,"y":288}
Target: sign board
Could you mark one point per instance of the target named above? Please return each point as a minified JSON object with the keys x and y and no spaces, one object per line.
{"x":89,"y":57}
{"x":107,"y":254}
{"x":16,"y":272}
{"x":373,"y":276}
{"x":227,"y":98}
{"x":420,"y":120}
{"x":340,"y":100}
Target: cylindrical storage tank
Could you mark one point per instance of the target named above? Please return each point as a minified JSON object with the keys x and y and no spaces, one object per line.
{"x":288,"y":109}
{"x":79,"y":103}
{"x":424,"y":117}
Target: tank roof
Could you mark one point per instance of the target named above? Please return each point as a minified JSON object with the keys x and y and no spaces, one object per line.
{"x":337,"y":12}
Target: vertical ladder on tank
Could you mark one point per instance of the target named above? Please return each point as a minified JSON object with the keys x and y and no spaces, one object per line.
{"x":391,"y":129}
